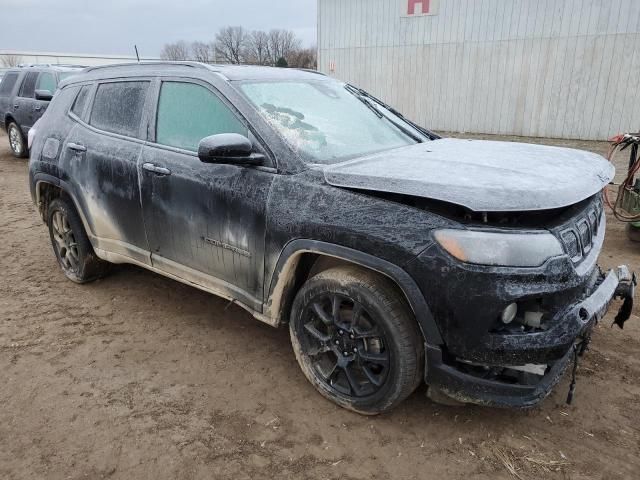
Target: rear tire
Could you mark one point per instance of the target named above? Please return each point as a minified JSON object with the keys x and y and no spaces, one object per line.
{"x":71,"y":245}
{"x":356,"y":339}
{"x":16,"y":141}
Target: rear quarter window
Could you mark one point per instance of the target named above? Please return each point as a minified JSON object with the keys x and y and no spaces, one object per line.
{"x":118,"y":107}
{"x":80,"y":101}
{"x":8,"y":82}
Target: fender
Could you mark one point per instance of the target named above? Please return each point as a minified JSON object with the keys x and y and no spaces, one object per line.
{"x":40,"y":178}
{"x":290,"y":256}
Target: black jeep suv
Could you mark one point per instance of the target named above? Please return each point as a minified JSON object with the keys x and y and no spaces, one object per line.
{"x":25,"y":93}
{"x":396,"y":257}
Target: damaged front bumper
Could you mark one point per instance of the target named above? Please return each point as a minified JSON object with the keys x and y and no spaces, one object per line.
{"x":525,"y":385}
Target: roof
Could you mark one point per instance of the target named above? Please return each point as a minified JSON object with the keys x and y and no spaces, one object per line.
{"x":229,"y":72}
{"x":253,"y":72}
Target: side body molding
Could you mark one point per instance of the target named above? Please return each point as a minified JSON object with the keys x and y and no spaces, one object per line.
{"x":290,"y":255}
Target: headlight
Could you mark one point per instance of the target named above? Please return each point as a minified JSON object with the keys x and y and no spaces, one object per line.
{"x":499,"y":248}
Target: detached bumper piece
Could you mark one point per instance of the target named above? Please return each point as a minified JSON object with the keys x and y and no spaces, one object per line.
{"x":626,"y":290}
{"x":526,"y":385}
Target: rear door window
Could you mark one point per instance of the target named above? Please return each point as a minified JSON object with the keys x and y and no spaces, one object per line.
{"x":46,"y":81}
{"x":118,"y":107}
{"x":8,"y":81}
{"x":188,"y":112}
{"x":29,"y":85}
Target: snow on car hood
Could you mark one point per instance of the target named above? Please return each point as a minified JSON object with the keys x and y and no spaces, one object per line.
{"x":480,"y":175}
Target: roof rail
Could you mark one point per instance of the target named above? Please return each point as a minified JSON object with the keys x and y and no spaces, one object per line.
{"x":68,"y":65}
{"x":311,"y":70}
{"x":129,"y":64}
{"x":49,"y":65}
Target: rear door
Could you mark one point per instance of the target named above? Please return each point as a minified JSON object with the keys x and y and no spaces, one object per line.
{"x":205,"y":222}
{"x":100,"y":159}
{"x":24,"y":103}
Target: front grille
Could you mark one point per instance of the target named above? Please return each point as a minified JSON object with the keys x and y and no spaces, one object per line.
{"x":572,"y":244}
{"x":585,"y":235}
{"x":579,"y":234}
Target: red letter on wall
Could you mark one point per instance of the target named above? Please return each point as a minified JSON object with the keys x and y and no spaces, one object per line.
{"x":411,"y":10}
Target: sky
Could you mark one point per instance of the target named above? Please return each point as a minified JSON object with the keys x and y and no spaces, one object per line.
{"x":114,"y":26}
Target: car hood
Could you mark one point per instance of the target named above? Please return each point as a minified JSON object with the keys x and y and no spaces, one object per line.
{"x":480,"y":175}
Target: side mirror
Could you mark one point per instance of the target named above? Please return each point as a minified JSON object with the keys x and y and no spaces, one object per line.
{"x":231,"y":148}
{"x":45,"y":95}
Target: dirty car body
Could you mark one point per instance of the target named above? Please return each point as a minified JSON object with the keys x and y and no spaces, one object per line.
{"x":492,"y":246}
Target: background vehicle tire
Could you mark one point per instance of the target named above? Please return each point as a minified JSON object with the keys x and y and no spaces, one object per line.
{"x":71,"y":245}
{"x":356,"y":339}
{"x":16,"y":141}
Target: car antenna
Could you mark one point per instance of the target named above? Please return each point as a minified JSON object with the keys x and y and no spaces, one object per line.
{"x":137,"y":56}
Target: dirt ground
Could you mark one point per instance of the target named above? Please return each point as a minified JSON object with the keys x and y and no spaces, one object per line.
{"x":139,"y":377}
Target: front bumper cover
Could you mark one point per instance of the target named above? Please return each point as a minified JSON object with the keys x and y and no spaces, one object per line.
{"x":468,"y":388}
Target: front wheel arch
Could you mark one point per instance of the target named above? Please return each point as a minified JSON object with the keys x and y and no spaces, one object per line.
{"x":296,"y":262}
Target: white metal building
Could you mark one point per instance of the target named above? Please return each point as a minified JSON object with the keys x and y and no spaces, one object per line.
{"x":548,"y":68}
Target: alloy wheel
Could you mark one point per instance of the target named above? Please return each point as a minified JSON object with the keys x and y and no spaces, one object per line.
{"x":15,"y":140}
{"x":65,"y":242}
{"x":346,"y":346}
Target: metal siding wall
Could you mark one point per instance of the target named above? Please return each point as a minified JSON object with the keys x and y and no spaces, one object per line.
{"x":549,"y":68}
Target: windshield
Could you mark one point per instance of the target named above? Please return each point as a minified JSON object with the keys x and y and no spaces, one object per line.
{"x":327,"y":122}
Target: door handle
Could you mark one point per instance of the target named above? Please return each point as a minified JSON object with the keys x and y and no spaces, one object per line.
{"x":76,"y":147}
{"x":16,"y":106}
{"x":156,"y":169}
{"x":37,"y":108}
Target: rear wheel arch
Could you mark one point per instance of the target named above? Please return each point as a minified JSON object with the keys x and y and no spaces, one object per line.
{"x":302,"y":259}
{"x":7,"y":120}
{"x":47,"y":189}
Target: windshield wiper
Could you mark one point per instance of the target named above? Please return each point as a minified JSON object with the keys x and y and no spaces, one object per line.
{"x":364,"y":99}
{"x":363,"y":95}
{"x":369,"y":105}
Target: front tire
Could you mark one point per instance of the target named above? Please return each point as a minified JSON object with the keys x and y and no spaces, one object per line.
{"x":16,"y":141}
{"x":71,"y":245}
{"x":356,"y":339}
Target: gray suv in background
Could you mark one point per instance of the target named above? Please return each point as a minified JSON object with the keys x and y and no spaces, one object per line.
{"x":25,"y":93}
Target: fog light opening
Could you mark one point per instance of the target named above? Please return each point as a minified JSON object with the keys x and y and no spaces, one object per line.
{"x":509,"y":313}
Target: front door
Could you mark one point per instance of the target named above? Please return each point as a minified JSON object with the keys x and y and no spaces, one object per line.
{"x":205,"y":222}
{"x":46,"y":81}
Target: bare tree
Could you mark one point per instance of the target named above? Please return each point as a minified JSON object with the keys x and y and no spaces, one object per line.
{"x":202,"y":52}
{"x":230,"y":44}
{"x":10,"y":60}
{"x":304,"y":58}
{"x":257,"y":47}
{"x":281,"y":44}
{"x":236,"y":45}
{"x":175,"y":51}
